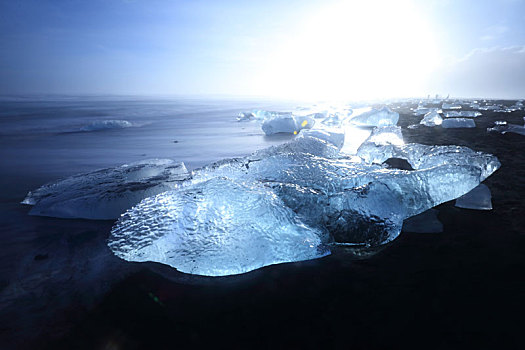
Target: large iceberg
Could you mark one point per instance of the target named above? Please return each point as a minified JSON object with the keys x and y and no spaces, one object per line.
{"x":106,"y":193}
{"x":324,"y":197}
{"x":376,"y":117}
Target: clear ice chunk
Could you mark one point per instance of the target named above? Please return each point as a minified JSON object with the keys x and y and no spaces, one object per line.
{"x":287,"y":123}
{"x":479,"y":198}
{"x":380,"y":143}
{"x":469,"y":114}
{"x":503,"y":127}
{"x":454,"y":123}
{"x":332,"y":136}
{"x":446,"y":105}
{"x":106,"y":193}
{"x":426,"y":222}
{"x":432,"y":118}
{"x":106,"y":125}
{"x":376,"y":117}
{"x":215,"y":228}
{"x":245,"y":116}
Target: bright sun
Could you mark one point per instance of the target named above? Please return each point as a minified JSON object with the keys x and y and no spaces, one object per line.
{"x":354,"y":50}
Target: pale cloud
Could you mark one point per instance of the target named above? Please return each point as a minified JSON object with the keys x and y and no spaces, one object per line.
{"x":484,"y":72}
{"x":494,"y":32}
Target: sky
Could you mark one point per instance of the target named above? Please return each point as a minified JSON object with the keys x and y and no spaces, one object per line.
{"x":323,"y":49}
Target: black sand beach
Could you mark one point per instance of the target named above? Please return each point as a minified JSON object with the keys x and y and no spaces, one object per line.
{"x":463,"y":288}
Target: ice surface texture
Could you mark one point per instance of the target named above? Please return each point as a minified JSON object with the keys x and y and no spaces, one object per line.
{"x":432,"y":118}
{"x":479,"y":198}
{"x":376,"y":117}
{"x":455,"y":114}
{"x":304,"y":190}
{"x":106,"y":193}
{"x":287,"y":123}
{"x":215,"y":228}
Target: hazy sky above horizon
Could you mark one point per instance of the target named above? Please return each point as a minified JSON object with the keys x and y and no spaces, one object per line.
{"x":289,"y":49}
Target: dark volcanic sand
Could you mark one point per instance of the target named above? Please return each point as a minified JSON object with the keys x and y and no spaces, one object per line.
{"x":463,"y":288}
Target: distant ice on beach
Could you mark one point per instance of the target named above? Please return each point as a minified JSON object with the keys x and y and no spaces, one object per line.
{"x":432,"y":118}
{"x":106,"y":125}
{"x":469,"y":114}
{"x":455,"y":123}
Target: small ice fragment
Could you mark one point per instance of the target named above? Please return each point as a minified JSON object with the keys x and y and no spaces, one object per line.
{"x":479,"y":198}
{"x":451,"y":123}
{"x":287,"y":123}
{"x":450,"y":106}
{"x":503,"y":127}
{"x":376,"y":117}
{"x":455,"y":114}
{"x":106,"y":125}
{"x":245,"y":116}
{"x":379,"y":145}
{"x":426,"y":222}
{"x":431,"y":119}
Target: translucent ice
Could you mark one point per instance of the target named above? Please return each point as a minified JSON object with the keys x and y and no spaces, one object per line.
{"x":479,"y":198}
{"x":245,"y":116}
{"x":432,"y":119}
{"x":503,"y":128}
{"x":426,"y":222}
{"x":423,"y":156}
{"x":287,"y":123}
{"x":106,"y":124}
{"x":215,"y":228}
{"x":454,"y":114}
{"x":452,"y":123}
{"x":450,"y":106}
{"x":332,"y":136}
{"x":337,"y":118}
{"x":106,"y":193}
{"x":376,"y":117}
